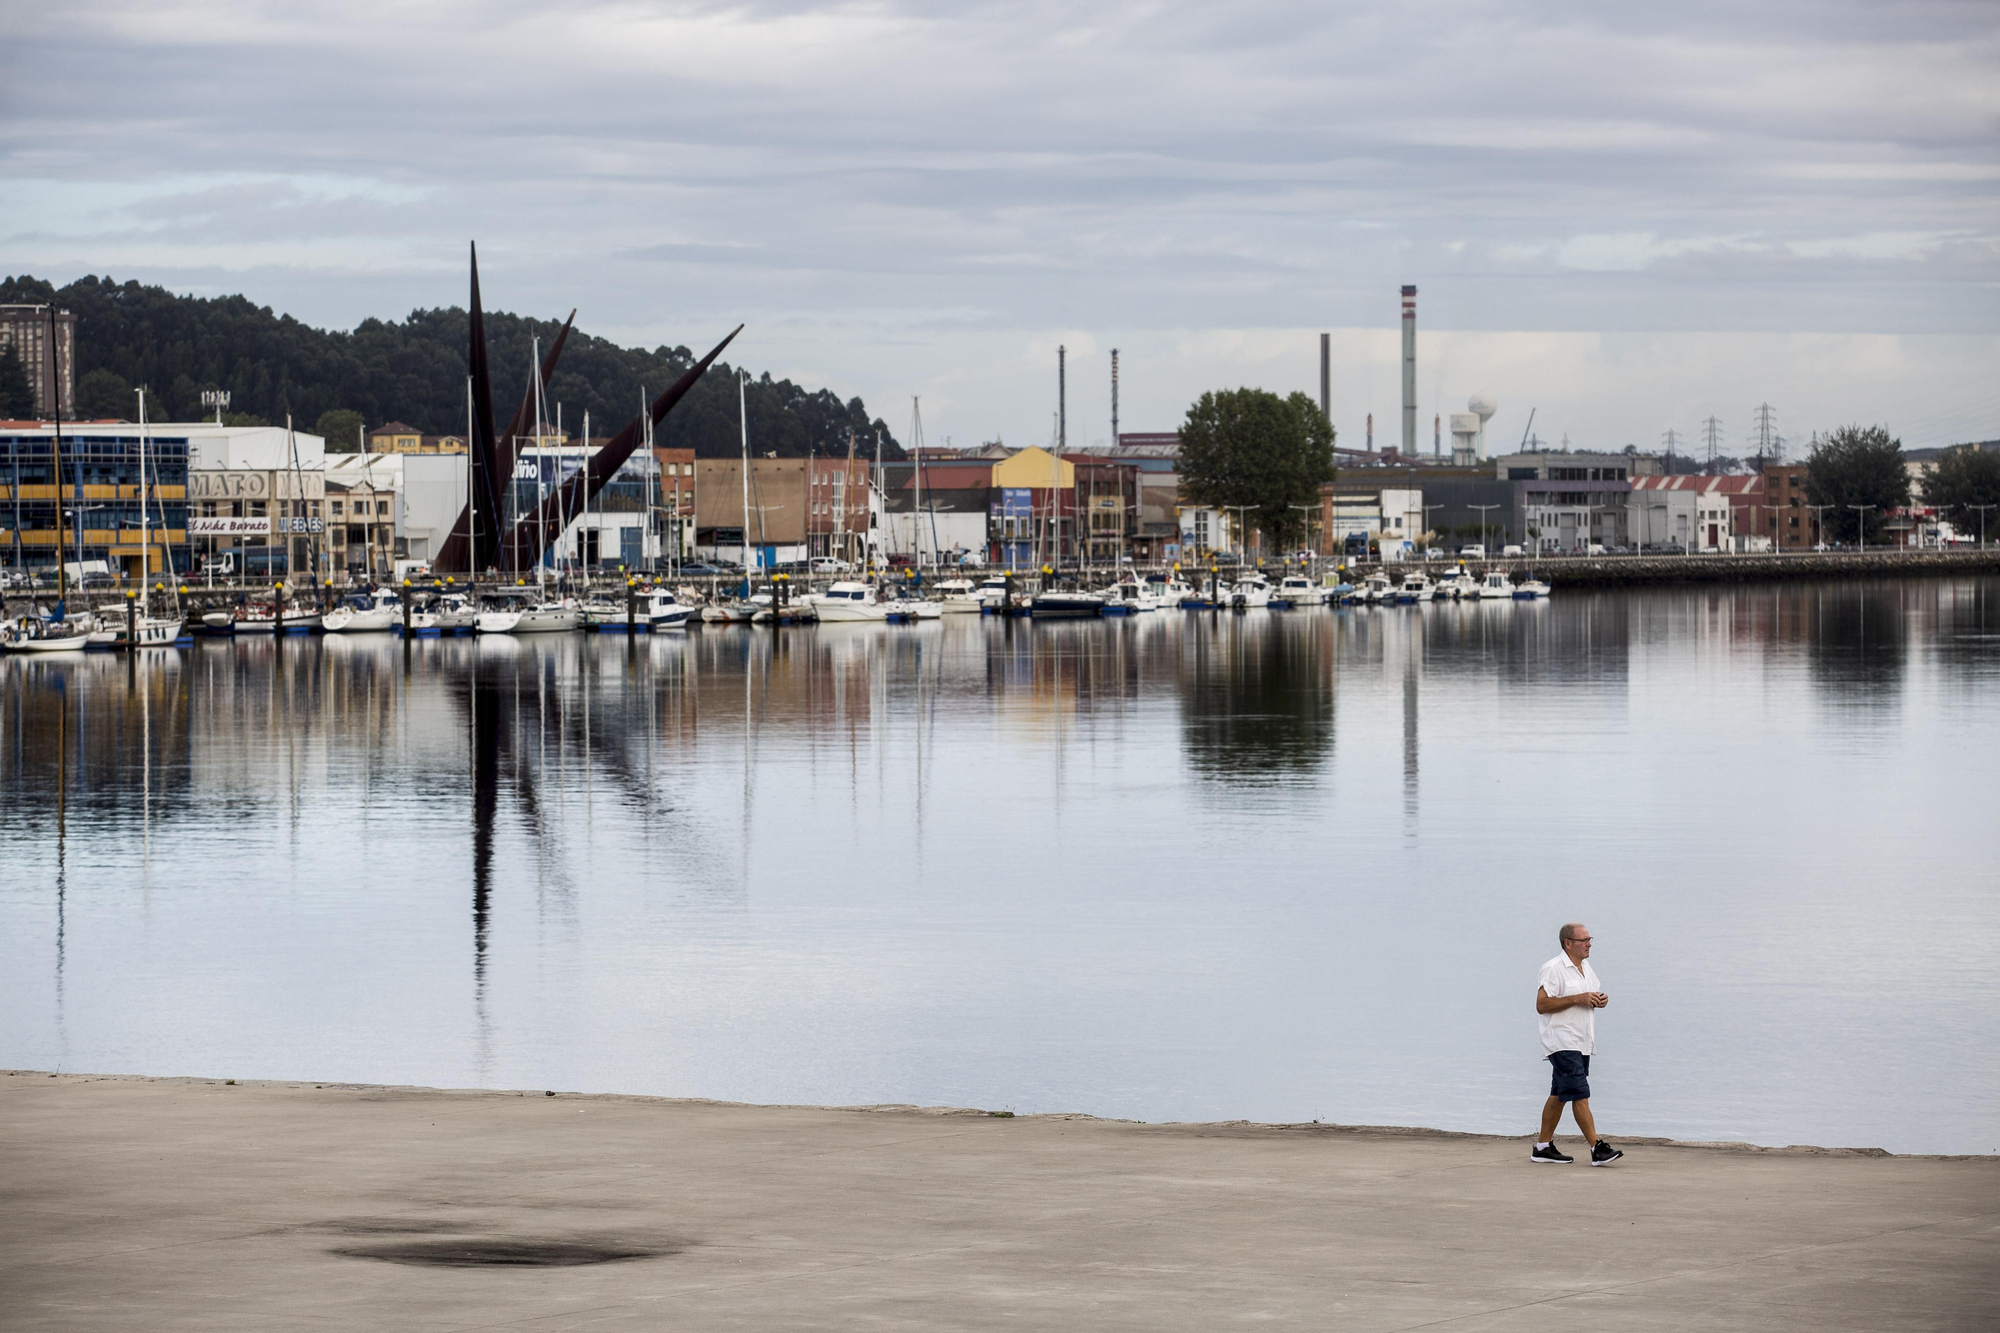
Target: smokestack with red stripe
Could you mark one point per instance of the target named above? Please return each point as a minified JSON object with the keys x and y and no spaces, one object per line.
{"x":1409,"y":371}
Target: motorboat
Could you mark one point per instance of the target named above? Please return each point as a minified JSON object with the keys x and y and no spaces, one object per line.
{"x":1066,"y":602}
{"x":1415,"y":588}
{"x":1459,"y":587}
{"x":1129,"y":598}
{"x":1297,"y":590}
{"x":1495,"y":587}
{"x":959,"y":597}
{"x":262,"y":618}
{"x":735,"y":611}
{"x":1169,"y":593}
{"x":992,"y":594}
{"x":1249,"y":593}
{"x":1375,"y":590}
{"x":364,"y":614}
{"x":1528,"y":590}
{"x":847,"y":601}
{"x":905,"y":610}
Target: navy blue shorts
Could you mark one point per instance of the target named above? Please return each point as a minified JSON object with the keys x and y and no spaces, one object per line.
{"x":1571,"y":1077}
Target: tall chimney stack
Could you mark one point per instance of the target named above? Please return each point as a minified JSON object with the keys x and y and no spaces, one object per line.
{"x":1326,"y":377}
{"x":1409,"y":371}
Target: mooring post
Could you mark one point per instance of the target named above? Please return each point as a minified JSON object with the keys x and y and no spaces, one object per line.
{"x":631,"y":605}
{"x":406,"y":609}
{"x":278,"y":610}
{"x":131,"y":620}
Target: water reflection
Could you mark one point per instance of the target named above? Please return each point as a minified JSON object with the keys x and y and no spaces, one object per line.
{"x":1257,"y":696}
{"x":1090,"y":866}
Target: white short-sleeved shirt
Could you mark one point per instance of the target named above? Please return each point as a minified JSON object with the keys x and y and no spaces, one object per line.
{"x":1575,"y":1028}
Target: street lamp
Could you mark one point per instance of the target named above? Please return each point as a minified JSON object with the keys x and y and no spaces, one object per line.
{"x":1482,"y":525}
{"x":1427,"y":513}
{"x":1819,"y":521}
{"x":1982,"y":522}
{"x":1861,"y":526}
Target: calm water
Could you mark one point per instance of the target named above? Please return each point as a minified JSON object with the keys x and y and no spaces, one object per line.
{"x":1278,"y":866}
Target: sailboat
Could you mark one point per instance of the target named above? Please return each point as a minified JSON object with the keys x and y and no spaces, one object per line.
{"x":142,"y":628}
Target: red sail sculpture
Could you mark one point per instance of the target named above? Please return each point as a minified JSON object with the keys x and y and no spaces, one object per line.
{"x":532,"y":535}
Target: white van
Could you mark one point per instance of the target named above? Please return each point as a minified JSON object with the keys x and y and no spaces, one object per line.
{"x":1473,"y":552}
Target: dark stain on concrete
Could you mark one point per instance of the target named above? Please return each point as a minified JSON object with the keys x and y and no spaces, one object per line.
{"x":504,"y":1252}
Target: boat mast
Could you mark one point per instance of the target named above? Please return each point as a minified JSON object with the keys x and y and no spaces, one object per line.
{"x":541,"y":443}
{"x":743,"y":421}
{"x":76,"y":498}
{"x":145,"y":528}
{"x":917,"y":476}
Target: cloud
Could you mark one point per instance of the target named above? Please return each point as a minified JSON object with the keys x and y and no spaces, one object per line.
{"x":978,"y":180}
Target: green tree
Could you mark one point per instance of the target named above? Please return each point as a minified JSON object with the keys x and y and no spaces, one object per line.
{"x":1961,"y":480}
{"x":17,"y":392}
{"x":1857,"y":466}
{"x":341,"y":428}
{"x":103,"y":395}
{"x":1251,"y":448}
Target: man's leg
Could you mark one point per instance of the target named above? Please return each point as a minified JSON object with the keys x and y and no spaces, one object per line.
{"x":1585,"y":1121}
{"x":1552,"y":1113}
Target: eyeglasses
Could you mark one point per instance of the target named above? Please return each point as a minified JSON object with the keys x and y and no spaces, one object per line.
{"x":1579,"y":939}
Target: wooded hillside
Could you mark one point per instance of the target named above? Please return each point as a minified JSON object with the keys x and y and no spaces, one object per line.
{"x":411,"y":370}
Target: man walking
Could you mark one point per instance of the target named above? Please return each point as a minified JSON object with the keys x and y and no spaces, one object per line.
{"x":1568,"y":1000}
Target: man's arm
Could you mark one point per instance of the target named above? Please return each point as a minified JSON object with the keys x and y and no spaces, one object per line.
{"x":1590,"y":999}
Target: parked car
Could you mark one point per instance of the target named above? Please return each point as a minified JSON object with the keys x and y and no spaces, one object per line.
{"x":1595,"y":548}
{"x":830,"y":564}
{"x":1476,"y":551}
{"x":1434,"y":553}
{"x":1510,"y":551}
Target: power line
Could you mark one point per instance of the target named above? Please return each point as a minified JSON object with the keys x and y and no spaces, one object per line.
{"x":1671,"y":438}
{"x":1712,"y":430}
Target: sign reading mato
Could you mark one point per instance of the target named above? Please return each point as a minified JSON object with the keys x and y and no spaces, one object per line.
{"x":205,"y":484}
{"x":228,"y":527}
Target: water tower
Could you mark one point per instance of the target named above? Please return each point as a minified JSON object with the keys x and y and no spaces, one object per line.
{"x":1468,"y":430}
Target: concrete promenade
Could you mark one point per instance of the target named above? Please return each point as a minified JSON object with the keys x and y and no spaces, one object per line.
{"x":132,"y":1203}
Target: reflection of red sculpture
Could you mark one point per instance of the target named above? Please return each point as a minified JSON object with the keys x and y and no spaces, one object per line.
{"x":492,"y":459}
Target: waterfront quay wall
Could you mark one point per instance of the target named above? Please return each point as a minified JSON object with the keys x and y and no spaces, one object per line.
{"x":1612,"y":571}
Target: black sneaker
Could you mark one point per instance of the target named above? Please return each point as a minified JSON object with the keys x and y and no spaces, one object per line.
{"x":1549,"y":1154}
{"x":1604,"y":1154}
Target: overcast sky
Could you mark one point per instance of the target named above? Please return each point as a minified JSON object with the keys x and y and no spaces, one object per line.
{"x":1626,"y":217}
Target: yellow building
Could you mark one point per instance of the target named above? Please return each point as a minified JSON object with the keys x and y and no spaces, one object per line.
{"x":399,"y":438}
{"x":1034,"y":469}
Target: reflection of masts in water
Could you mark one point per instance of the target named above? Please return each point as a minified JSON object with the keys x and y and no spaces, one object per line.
{"x":62,"y":789}
{"x":485,"y":751}
{"x":1412,"y":648}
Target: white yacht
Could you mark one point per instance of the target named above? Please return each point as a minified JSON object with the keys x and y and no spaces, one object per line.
{"x":961,"y":598}
{"x":1415,"y":588}
{"x":1249,"y":592}
{"x":1376,"y":589}
{"x":1129,"y":598}
{"x":36,"y":634}
{"x":1459,"y":587}
{"x":262,"y":618}
{"x":1527,"y":590}
{"x":453,"y":613}
{"x":530,"y":617}
{"x":363,"y":614}
{"x":1298,"y":590}
{"x":1172,"y":593}
{"x":906,"y":609}
{"x":1495,"y":587}
{"x":154,"y":632}
{"x":847,"y":601}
